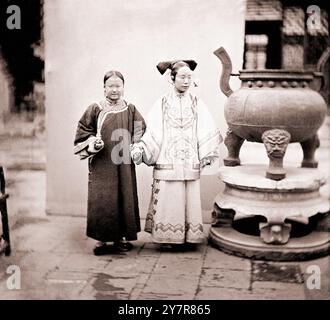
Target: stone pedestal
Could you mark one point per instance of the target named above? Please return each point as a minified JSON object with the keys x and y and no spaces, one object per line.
{"x":278,"y":204}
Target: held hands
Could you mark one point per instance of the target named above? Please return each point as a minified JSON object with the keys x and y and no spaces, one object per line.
{"x":209,"y":160}
{"x":136,"y":153}
{"x":205,"y":162}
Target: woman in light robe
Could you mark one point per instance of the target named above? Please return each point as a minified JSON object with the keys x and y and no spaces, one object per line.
{"x":180,"y":140}
{"x":104,"y":135}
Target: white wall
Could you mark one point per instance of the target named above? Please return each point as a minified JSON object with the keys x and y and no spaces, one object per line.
{"x":86,"y":38}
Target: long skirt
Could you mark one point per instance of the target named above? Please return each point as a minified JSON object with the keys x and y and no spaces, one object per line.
{"x":175,"y":212}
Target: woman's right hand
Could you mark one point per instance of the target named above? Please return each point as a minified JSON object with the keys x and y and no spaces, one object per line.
{"x":98,"y":144}
{"x":95,"y":146}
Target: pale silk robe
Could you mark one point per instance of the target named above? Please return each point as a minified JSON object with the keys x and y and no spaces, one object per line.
{"x":180,"y":136}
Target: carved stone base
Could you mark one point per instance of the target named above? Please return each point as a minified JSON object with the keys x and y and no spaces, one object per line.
{"x":275,"y":233}
{"x":248,"y":193}
{"x":231,"y":162}
{"x":312,"y":246}
{"x":275,"y":174}
{"x":222,"y":217}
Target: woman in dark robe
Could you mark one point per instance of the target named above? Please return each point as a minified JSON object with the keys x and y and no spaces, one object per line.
{"x":104,"y":135}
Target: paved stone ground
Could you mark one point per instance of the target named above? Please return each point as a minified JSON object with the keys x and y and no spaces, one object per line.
{"x":56,"y":261}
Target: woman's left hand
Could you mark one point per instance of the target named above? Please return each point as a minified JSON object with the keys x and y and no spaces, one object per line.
{"x":98,"y":144}
{"x":136,"y":154}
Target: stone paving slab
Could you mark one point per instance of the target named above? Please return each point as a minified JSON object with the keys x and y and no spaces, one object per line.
{"x":139,"y":286}
{"x":273,"y":286}
{"x":132,"y":265}
{"x":103,"y":286}
{"x":168,"y":284}
{"x":195,"y":253}
{"x":35,"y":245}
{"x":82,"y":263}
{"x":217,"y":259}
{"x":166,"y":296}
{"x":33,"y":261}
{"x":223,"y":278}
{"x":279,"y":272}
{"x":27,"y":190}
{"x":73,"y":246}
{"x":277,"y":291}
{"x":317,"y":294}
{"x":104,"y":282}
{"x":59,"y":277}
{"x":175,"y":264}
{"x":149,"y":249}
{"x":220,"y":293}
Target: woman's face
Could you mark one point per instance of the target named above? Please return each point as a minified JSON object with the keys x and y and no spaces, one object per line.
{"x":114,"y":88}
{"x":183,"y":79}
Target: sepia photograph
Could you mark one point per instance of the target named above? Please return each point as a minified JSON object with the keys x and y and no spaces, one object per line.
{"x":164,"y":150}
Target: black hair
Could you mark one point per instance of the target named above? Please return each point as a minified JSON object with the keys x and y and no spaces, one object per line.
{"x":112,"y":73}
{"x":176,"y":66}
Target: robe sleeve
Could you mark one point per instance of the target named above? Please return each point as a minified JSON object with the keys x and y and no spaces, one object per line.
{"x":139,"y":126}
{"x":151,"y":141}
{"x":86,"y":131}
{"x":208,"y":135}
